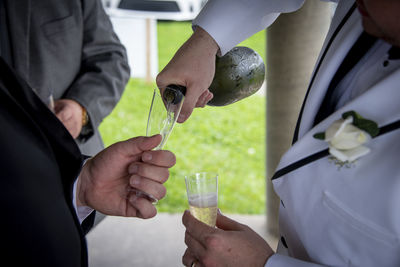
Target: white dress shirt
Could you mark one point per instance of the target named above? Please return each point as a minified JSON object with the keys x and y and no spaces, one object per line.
{"x":82,"y":211}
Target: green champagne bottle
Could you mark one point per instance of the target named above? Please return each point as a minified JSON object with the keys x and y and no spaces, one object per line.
{"x":238,"y":74}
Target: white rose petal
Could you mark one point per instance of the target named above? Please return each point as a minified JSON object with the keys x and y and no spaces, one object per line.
{"x":358,"y":152}
{"x":338,"y":154}
{"x":350,"y":137}
{"x":349,"y":155}
{"x":336,"y":128}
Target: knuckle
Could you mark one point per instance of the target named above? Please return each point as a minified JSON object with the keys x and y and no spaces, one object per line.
{"x":145,"y":209}
{"x":187,"y":238}
{"x":207,"y":260}
{"x":160,"y":79}
{"x":212,"y":241}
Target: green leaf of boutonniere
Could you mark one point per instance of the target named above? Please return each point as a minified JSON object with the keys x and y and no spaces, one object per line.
{"x":352,"y":113}
{"x":320,"y":136}
{"x":367,"y":125}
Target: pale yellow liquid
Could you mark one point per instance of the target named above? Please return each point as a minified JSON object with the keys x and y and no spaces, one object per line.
{"x":207,"y":215}
{"x":204,"y":208}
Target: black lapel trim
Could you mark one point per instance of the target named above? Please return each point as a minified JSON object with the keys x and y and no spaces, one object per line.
{"x":383,"y":130}
{"x":388,"y":128}
{"x":357,"y":52}
{"x":394,"y":53}
{"x":300,"y":163}
{"x":344,"y":20}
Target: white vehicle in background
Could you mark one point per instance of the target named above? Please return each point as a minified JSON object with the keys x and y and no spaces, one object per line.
{"x":135,"y":23}
{"x":160,"y":9}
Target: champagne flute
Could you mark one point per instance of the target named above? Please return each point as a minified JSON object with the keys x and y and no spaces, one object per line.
{"x":202,"y":194}
{"x":163,"y":114}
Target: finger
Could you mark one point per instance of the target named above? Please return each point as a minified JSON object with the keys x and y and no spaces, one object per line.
{"x":138,"y":193}
{"x":71,"y":127}
{"x":155,"y":189}
{"x":198,"y":230}
{"x":194,"y":245}
{"x":161,"y":158}
{"x":225,"y":223}
{"x":188,"y":258}
{"x":202,"y":99}
{"x":64,"y":115}
{"x":152,"y":172}
{"x":209,"y":97}
{"x":150,"y":142}
{"x":144,"y":208}
{"x":131,"y":211}
{"x":192,"y":95}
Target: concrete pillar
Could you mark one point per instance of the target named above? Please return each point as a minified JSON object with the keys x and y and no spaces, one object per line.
{"x":293,"y":45}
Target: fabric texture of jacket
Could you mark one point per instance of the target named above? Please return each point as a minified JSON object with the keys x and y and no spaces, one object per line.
{"x":69,"y":49}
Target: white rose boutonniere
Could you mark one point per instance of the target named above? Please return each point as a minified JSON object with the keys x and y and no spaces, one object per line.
{"x":347,"y":136}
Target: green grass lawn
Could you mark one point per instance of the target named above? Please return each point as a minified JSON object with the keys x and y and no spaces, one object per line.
{"x":229,"y":140}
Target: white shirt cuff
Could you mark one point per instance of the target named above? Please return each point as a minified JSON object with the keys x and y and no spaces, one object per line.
{"x":82,"y":211}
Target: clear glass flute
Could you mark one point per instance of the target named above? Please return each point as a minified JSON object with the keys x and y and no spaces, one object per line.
{"x":163,"y":114}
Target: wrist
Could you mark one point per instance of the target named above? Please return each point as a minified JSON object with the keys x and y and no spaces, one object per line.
{"x":80,"y":185}
{"x":200,"y":35}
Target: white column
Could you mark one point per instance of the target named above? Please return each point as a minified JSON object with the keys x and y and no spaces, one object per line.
{"x":293,"y":44}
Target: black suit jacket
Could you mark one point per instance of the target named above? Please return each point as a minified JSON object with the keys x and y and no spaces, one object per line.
{"x":38,"y":166}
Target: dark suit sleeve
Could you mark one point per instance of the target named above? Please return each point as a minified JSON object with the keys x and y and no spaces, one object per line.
{"x":104,"y":68}
{"x":39,"y":164}
{"x":88,"y":222}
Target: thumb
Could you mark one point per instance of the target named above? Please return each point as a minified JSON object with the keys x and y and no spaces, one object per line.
{"x":150,"y":142}
{"x":139,"y":144}
{"x":225,"y":223}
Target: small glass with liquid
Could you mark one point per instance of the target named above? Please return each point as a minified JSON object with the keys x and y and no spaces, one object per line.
{"x":202,"y":193}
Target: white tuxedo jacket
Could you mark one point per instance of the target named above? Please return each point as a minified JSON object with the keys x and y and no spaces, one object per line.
{"x":348,"y":216}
